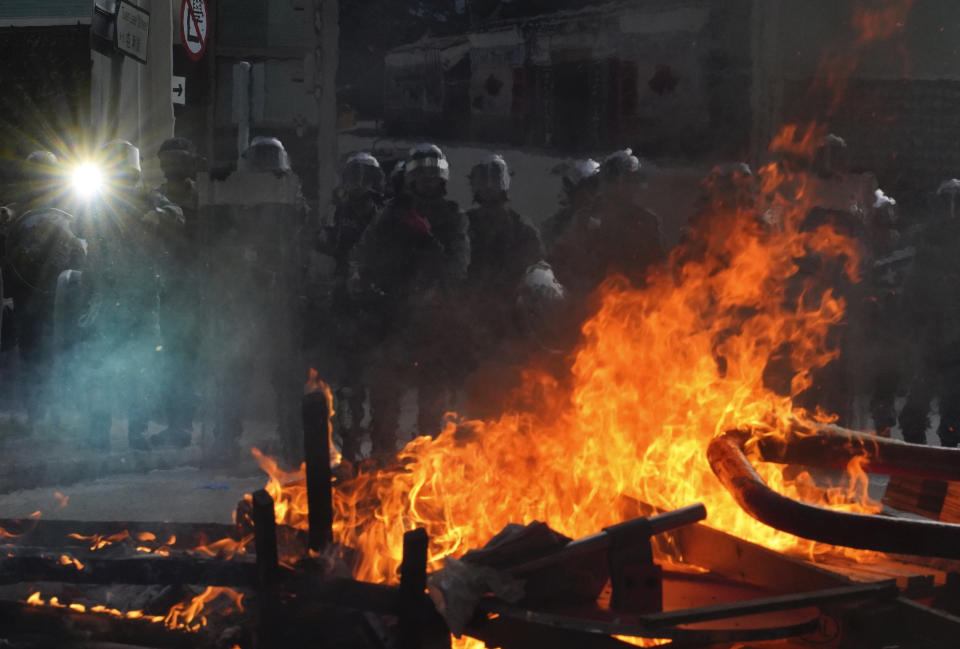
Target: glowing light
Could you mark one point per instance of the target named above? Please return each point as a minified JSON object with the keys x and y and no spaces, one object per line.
{"x":86,"y":180}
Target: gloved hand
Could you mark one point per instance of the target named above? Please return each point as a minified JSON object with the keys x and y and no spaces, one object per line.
{"x":413,"y":220}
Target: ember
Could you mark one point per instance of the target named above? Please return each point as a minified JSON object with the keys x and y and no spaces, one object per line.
{"x":190,"y":616}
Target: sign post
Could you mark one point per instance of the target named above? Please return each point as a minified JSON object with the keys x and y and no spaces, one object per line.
{"x":194,"y":27}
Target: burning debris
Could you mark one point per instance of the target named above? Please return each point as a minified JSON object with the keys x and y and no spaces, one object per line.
{"x":566,"y":521}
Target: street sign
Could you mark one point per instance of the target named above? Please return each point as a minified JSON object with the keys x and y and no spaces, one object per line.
{"x":178,"y":90}
{"x":194,"y":27}
{"x":133,"y":30}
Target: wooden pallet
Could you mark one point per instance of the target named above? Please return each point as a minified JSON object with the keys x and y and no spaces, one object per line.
{"x":931,"y":498}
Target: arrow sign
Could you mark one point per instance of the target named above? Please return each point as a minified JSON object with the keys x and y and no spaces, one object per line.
{"x":178,"y":90}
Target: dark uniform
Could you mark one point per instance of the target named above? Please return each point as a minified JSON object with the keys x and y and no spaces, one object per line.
{"x":883,"y":327}
{"x":580,"y":182}
{"x":617,"y":236}
{"x":932,"y":305}
{"x":503,"y":245}
{"x":40,"y":245}
{"x":180,"y":303}
{"x":120,"y":363}
{"x":345,"y":328}
{"x":415,"y":257}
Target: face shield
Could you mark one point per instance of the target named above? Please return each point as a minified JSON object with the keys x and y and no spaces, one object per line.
{"x":490,"y":176}
{"x":427,"y":167}
{"x":358,"y":177}
{"x":177,"y":164}
{"x":265,"y":155}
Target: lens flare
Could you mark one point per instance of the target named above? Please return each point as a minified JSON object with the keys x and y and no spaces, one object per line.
{"x":86,"y":180}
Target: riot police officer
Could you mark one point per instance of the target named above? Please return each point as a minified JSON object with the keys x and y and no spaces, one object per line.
{"x":180,"y":303}
{"x":618,"y":236}
{"x":502,"y":246}
{"x":932,"y":307}
{"x":40,"y":243}
{"x":415,"y":256}
{"x":579,"y":181}
{"x":345,"y":325}
{"x":502,"y":243}
{"x":126,"y":230}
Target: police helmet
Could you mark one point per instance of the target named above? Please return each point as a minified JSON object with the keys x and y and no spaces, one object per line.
{"x":362,"y":171}
{"x":40,"y":166}
{"x":832,"y":156}
{"x":490,"y":173}
{"x":265,"y":154}
{"x":43,"y":158}
{"x":426,"y":160}
{"x":619,"y":166}
{"x":397,"y":177}
{"x":573,"y":173}
{"x":121,"y":162}
{"x":178,"y":157}
{"x":543,"y":305}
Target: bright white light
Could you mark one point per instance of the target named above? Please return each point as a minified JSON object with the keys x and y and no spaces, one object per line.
{"x":87,"y":180}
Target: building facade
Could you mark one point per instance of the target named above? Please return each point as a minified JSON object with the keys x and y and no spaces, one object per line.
{"x":658,"y":76}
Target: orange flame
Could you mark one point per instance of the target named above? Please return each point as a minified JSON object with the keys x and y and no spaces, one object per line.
{"x":316,"y":384}
{"x":61,"y":500}
{"x":225,"y":548}
{"x":660,"y":371}
{"x":189,"y":616}
{"x":70,"y":561}
{"x":882,"y":22}
{"x":98,"y":541}
{"x":185,"y":616}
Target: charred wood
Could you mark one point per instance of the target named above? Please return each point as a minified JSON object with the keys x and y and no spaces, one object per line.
{"x":637,"y":531}
{"x":862,"y":531}
{"x":593,"y":630}
{"x":827,"y":446}
{"x":55,"y":533}
{"x":866,"y":592}
{"x":141,"y":571}
{"x":413,"y":585}
{"x":316,"y":443}
{"x":265,"y":539}
{"x":66,"y":626}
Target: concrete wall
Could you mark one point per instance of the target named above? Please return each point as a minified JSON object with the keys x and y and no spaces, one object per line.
{"x":146,"y":108}
{"x":897,"y":109}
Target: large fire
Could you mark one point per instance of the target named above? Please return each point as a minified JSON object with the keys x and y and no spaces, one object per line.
{"x":660,"y":371}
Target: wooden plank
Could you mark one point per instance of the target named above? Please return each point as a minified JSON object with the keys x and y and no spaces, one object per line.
{"x":413,"y":584}
{"x":265,"y":539}
{"x":65,"y":533}
{"x":741,"y":560}
{"x":934,"y":499}
{"x":63,"y":625}
{"x":142,"y":570}
{"x":316,"y":445}
{"x":879,"y":590}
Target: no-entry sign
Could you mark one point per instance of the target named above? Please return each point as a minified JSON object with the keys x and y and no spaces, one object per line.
{"x":194,"y":27}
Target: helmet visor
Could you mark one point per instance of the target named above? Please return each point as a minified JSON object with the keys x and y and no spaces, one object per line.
{"x":362,"y":176}
{"x":428,"y":166}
